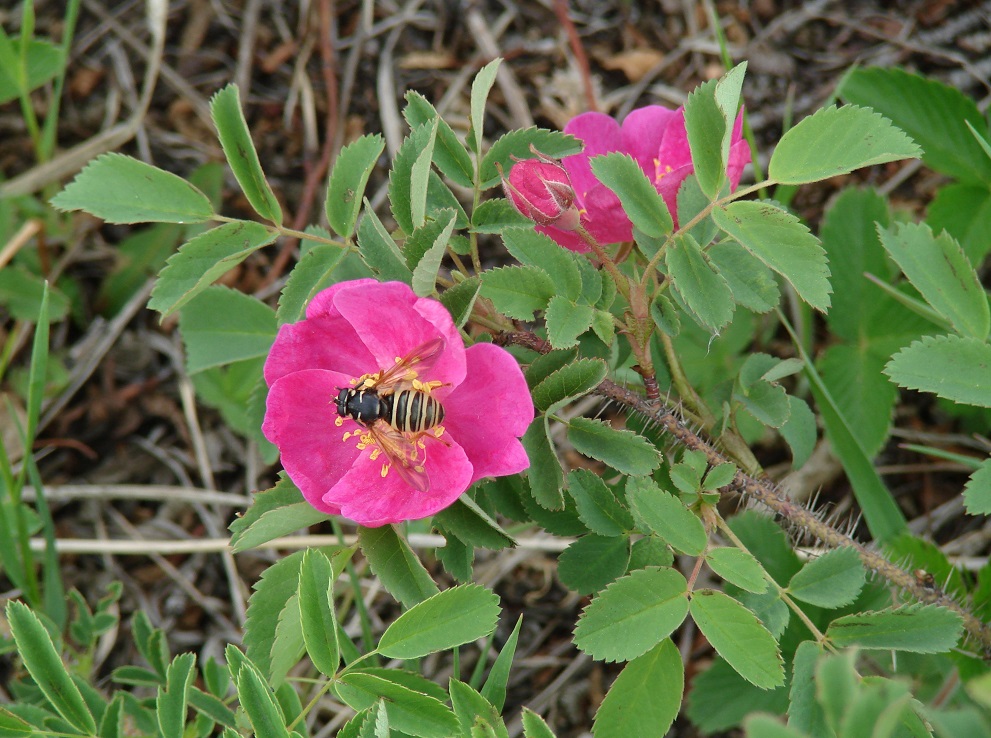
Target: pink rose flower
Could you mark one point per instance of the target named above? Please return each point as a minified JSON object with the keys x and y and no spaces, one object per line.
{"x":655,"y":137}
{"x":353,"y":333}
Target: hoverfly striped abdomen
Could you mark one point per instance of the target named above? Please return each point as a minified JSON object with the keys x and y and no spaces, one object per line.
{"x":412,"y":411}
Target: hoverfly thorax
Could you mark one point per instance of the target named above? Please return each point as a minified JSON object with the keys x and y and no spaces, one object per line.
{"x":396,"y":411}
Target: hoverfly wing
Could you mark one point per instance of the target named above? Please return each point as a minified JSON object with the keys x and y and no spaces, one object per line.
{"x":405,"y":457}
{"x":419,"y":359}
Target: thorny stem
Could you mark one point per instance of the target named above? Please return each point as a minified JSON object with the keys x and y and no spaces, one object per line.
{"x":762,"y":491}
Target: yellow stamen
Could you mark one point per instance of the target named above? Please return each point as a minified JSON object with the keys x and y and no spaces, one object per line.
{"x":376,"y":452}
{"x":339,"y":421}
{"x":385,"y":470}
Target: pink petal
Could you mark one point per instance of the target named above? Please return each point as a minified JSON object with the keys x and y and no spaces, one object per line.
{"x":323,"y":303}
{"x":392,"y":321}
{"x":370,"y":499}
{"x":739,"y":157}
{"x":489,"y":410}
{"x":674,"y":151}
{"x":299,"y":419}
{"x":318,"y":343}
{"x":567,"y":239}
{"x":607,"y":221}
{"x":669,"y":184}
{"x":600,"y":134}
{"x":642,"y":133}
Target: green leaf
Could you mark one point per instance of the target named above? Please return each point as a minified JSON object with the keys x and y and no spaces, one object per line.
{"x":314,"y":272}
{"x":44,"y":664}
{"x":393,"y":561}
{"x":753,"y":285}
{"x":738,"y":567}
{"x":450,"y":155}
{"x":460,"y":299}
{"x":534,"y":725}
{"x":409,"y":175}
{"x":42,"y":62}
{"x":832,"y":580}
{"x":203,"y":260}
{"x":569,"y":383}
{"x":480,"y":87}
{"x":274,"y":590}
{"x":915,"y":628}
{"x":633,"y":614}
{"x":766,"y":726}
{"x":665,"y":515}
{"x":850,"y":238}
{"x":739,"y":637}
{"x":447,"y":619}
{"x":538,"y":250}
{"x":172,"y":699}
{"x":933,"y":113}
{"x":275,"y":512}
{"x":379,"y":251}
{"x":804,"y":712}
{"x":964,"y":211}
{"x":836,"y":141}
{"x":545,"y":475}
{"x":494,"y":689}
{"x":623,"y":450}
{"x":409,"y":711}
{"x":853,"y":374}
{"x":21,"y":293}
{"x":977,"y":491}
{"x":475,"y":713}
{"x":938,"y":268}
{"x":232,"y":128}
{"x":498,"y":215}
{"x":720,"y":699}
{"x":592,"y":562}
{"x":705,"y":291}
{"x":799,"y":431}
{"x":346,"y":187}
{"x":425,"y":249}
{"x":646,"y":696}
{"x":518,"y":291}
{"x":597,"y":504}
{"x":121,"y":189}
{"x":516,"y":145}
{"x":883,"y":517}
{"x":641,"y":201}
{"x":221,"y":326}
{"x":472,"y":525}
{"x":951,"y":367}
{"x":255,"y":697}
{"x":566,"y":321}
{"x":316,"y":610}
{"x":765,"y":401}
{"x":783,"y":243}
{"x":705,"y":126}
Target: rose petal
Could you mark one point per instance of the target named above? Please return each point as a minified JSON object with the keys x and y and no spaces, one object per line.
{"x":319,"y":343}
{"x":489,"y":410}
{"x":392,"y":321}
{"x":642,"y":133}
{"x":607,"y":221}
{"x":299,"y":419}
{"x":370,"y":499}
{"x":568,"y":239}
{"x":599,"y":134}
{"x":323,"y":306}
{"x":674,"y":151}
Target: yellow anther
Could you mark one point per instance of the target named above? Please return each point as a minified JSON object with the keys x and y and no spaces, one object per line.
{"x":347,"y":435}
{"x":361,"y":446}
{"x":339,"y":421}
{"x":375,"y":454}
{"x":438,"y":431}
{"x":418,"y":469}
{"x":385,"y":470}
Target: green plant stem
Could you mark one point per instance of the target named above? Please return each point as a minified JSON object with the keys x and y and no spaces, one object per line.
{"x":50,"y":131}
{"x":621,"y":280}
{"x":819,"y":635}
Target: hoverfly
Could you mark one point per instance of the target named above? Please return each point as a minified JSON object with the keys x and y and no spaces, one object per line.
{"x":396,"y":409}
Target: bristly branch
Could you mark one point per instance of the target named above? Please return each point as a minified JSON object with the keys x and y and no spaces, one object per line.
{"x":762,"y":491}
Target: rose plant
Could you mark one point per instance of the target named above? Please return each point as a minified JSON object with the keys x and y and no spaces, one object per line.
{"x":666,"y":329}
